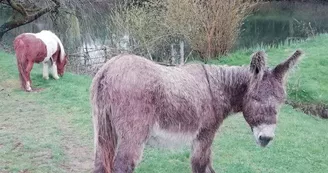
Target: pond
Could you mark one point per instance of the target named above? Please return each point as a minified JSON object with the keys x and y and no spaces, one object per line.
{"x":276,"y":22}
{"x":271,"y":24}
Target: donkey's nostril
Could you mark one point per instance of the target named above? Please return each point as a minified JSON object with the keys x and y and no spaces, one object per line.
{"x":265,"y":140}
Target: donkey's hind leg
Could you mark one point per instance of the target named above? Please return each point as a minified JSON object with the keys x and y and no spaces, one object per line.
{"x":201,"y":152}
{"x":99,"y":167}
{"x":133,"y":134}
{"x":128,"y":156}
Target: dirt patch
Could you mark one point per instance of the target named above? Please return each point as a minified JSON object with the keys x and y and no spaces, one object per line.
{"x":78,"y":153}
{"x":20,"y":123}
{"x":320,"y":110}
{"x":9,"y":84}
{"x":36,"y":90}
{"x":17,"y":145}
{"x":24,"y":171}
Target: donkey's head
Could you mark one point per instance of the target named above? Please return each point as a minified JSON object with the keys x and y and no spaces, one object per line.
{"x":265,"y":94}
{"x":61,"y":66}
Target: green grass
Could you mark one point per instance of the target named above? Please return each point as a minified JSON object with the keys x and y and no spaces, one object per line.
{"x":51,"y":130}
{"x":44,"y":131}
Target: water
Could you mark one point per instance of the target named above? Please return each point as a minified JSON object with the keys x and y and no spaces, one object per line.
{"x":276,"y":22}
{"x":272,"y":24}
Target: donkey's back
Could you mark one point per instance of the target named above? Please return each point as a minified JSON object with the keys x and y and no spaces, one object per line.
{"x":169,"y":97}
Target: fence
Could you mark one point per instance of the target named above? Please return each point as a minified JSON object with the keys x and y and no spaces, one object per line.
{"x":89,"y":59}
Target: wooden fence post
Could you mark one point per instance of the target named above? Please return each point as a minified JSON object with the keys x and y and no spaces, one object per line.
{"x":106,"y":56}
{"x":86,"y":55}
{"x":181,"y":52}
{"x":173,"y":54}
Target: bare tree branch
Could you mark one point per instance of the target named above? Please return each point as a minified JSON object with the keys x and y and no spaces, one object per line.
{"x":27,"y":18}
{"x":18,"y":7}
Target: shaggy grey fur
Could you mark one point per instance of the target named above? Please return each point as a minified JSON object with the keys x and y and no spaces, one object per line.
{"x":133,"y":97}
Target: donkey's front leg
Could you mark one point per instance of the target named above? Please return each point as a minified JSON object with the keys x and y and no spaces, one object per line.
{"x":201,"y":152}
{"x":54,"y":71}
{"x":45,"y":73}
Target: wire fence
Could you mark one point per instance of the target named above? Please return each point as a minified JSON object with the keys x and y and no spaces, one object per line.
{"x":89,"y":59}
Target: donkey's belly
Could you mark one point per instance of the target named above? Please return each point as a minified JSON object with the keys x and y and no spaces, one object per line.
{"x":164,"y":138}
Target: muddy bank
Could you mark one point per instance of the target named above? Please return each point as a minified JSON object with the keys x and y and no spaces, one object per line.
{"x":318,"y":109}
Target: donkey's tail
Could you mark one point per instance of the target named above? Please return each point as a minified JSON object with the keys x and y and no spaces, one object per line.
{"x":105,"y":138}
{"x":19,"y":47}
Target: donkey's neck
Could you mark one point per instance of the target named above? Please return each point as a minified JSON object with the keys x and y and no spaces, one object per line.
{"x":228,"y":86}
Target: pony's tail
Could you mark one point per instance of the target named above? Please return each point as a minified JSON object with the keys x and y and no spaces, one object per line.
{"x":105,"y":138}
{"x":19,"y":47}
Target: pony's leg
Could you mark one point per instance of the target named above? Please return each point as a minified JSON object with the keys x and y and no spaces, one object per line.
{"x":201,"y":152}
{"x":45,"y":73}
{"x":54,"y":71}
{"x":28,"y":77}
{"x":22,"y":75}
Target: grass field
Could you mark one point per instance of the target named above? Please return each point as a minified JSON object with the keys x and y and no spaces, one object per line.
{"x":51,"y":130}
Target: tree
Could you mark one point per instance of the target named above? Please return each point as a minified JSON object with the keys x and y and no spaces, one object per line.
{"x":25,"y":13}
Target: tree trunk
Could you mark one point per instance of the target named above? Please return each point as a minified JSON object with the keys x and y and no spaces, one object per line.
{"x":27,"y":18}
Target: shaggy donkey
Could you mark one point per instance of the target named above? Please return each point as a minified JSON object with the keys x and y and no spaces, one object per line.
{"x":134,"y":98}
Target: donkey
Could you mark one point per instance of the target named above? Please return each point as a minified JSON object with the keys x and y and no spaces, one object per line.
{"x":134,"y":98}
{"x":43,"y":47}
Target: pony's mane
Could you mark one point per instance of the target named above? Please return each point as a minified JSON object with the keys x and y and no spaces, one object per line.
{"x":62,"y":51}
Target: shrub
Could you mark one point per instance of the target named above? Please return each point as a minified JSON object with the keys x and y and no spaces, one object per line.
{"x":209,"y":27}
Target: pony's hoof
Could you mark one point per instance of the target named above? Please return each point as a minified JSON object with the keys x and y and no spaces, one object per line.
{"x":46,"y":78}
{"x":29,"y":89}
{"x":56,"y":77}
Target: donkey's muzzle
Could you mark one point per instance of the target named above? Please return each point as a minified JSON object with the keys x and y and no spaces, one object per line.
{"x":264,"y":140}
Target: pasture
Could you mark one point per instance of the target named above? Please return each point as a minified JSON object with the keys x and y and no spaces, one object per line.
{"x":51,"y":130}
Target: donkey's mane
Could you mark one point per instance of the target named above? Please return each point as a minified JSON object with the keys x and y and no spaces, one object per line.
{"x":229,"y":76}
{"x":227,"y":85}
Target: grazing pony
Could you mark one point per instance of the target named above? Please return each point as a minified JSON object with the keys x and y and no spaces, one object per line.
{"x":43,"y":47}
{"x":134,"y":99}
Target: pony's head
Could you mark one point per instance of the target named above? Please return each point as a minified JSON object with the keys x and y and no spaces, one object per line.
{"x":61,"y":66}
{"x":265,"y":94}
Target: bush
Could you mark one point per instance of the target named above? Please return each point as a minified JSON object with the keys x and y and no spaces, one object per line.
{"x":209,"y":27}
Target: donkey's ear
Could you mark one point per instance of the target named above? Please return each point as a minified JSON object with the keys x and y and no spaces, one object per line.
{"x":281,"y":69}
{"x":258,"y":64}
